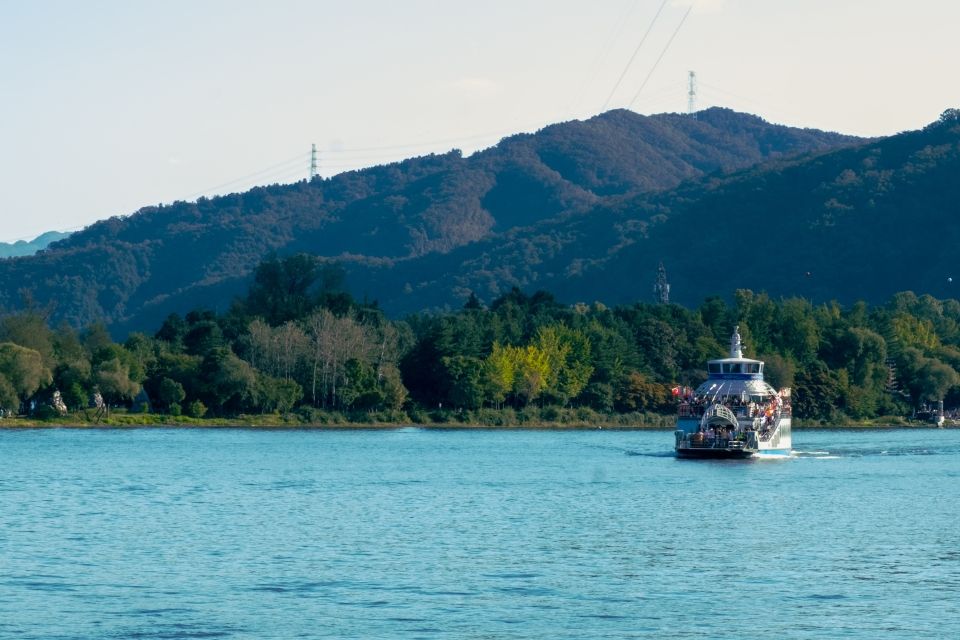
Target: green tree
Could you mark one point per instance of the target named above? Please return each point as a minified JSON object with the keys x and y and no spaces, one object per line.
{"x":170,"y":394}
{"x":227,"y":383}
{"x":277,"y":394}
{"x":465,"y":375}
{"x":75,"y":396}
{"x":568,"y":358}
{"x":203,"y":333}
{"x":641,"y":394}
{"x":96,"y":337}
{"x":360,"y":388}
{"x":818,"y":392}
{"x":24,"y":369}
{"x":532,"y":368}
{"x":196,"y":409}
{"x":394,"y":391}
{"x":797,"y":333}
{"x":912,"y":332}
{"x":286,"y":289}
{"x":115,"y":380}
{"x":499,"y":374}
{"x":778,"y":371}
{"x":9,"y":400}
{"x":29,"y":329}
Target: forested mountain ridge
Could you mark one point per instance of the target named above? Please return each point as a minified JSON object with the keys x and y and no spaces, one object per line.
{"x":132,"y":271}
{"x":860,"y":222}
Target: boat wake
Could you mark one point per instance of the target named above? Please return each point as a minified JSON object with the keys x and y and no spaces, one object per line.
{"x":818,"y":455}
{"x":869,"y":452}
{"x":772,"y":456}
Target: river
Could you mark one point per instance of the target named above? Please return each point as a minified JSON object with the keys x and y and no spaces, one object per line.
{"x":410,"y":533}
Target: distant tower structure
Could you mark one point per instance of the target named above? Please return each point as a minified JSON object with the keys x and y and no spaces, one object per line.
{"x":692,"y":95}
{"x":661,"y":289}
{"x":313,"y":161}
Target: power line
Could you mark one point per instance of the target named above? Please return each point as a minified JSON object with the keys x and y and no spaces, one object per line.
{"x":743,"y":103}
{"x":282,"y":169}
{"x":299,"y":158}
{"x":600,"y":57}
{"x":377,"y":155}
{"x":633,"y":57}
{"x":426,"y":144}
{"x":662,"y":53}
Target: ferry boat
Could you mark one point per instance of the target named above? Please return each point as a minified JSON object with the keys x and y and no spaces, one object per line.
{"x":735,"y":413}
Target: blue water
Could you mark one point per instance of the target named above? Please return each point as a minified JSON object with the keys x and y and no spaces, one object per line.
{"x":156,"y":533}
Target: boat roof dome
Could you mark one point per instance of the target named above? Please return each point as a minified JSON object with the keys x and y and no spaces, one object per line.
{"x":743,"y":388}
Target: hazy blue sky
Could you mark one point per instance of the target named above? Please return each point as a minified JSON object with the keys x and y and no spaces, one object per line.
{"x":108,"y":106}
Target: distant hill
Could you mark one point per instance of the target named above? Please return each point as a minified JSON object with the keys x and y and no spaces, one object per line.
{"x":856,"y":223}
{"x":391,"y":223}
{"x":25,"y":248}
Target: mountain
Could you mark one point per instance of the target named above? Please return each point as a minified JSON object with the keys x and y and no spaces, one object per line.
{"x":437,"y":211}
{"x":24,"y":248}
{"x":856,"y":223}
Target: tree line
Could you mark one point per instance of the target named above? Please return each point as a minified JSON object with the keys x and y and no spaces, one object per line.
{"x":298,"y":344}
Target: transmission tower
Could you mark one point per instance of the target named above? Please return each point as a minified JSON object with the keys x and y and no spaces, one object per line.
{"x":661,"y":288}
{"x":692,"y":95}
{"x":313,"y":161}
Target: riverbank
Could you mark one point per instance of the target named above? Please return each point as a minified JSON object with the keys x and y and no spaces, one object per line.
{"x":531,"y":418}
{"x":527,"y":418}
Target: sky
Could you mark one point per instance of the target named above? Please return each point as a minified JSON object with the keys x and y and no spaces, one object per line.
{"x":111,"y":105}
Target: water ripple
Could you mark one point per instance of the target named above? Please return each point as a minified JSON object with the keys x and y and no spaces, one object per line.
{"x":480,"y":534}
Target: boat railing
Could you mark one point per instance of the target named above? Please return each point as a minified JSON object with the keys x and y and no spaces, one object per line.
{"x":687,"y":410}
{"x":771,"y":432}
{"x":717,"y":410}
{"x":696,"y":410}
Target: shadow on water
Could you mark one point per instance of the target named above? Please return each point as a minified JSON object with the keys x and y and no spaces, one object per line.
{"x":650,"y":454}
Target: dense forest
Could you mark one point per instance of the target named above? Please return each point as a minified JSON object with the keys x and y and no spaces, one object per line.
{"x":585,"y":210}
{"x":393,"y":226}
{"x":856,"y":223}
{"x":299,"y":346}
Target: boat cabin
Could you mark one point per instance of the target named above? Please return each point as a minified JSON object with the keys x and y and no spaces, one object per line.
{"x":736,"y":382}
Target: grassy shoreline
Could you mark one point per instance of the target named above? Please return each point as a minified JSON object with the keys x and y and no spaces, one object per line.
{"x":563,"y":419}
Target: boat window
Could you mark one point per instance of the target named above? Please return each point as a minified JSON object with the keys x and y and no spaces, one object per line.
{"x":713,"y":367}
{"x":735,"y":367}
{"x":753,"y":367}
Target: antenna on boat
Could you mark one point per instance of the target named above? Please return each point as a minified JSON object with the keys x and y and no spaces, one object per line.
{"x":736,"y":347}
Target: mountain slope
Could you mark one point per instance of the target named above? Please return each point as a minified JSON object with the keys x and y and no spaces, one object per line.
{"x":855,"y":223}
{"x":132,"y":271}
